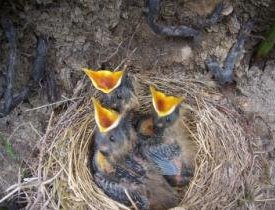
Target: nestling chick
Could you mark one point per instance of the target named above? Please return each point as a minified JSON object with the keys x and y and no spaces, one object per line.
{"x":167,"y":144}
{"x":115,"y":88}
{"x":119,"y":172}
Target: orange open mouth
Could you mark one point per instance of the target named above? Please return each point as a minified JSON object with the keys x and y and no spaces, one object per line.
{"x":105,"y":80}
{"x":106,"y":119}
{"x":164,"y":104}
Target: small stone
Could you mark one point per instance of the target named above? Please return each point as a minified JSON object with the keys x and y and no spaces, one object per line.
{"x":234,"y":25}
{"x":186,"y":53}
{"x":179,"y":54}
{"x":228,"y":9}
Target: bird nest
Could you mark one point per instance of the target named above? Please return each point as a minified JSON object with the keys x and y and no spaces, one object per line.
{"x":62,"y":179}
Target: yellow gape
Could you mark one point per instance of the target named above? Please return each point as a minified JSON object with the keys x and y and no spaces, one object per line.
{"x":164,"y":104}
{"x":106,"y":119}
{"x":105,"y":80}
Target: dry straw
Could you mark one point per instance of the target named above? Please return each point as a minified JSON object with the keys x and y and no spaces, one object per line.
{"x":223,"y":161}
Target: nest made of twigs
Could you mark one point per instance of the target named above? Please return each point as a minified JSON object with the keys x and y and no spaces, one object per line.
{"x":223,"y":161}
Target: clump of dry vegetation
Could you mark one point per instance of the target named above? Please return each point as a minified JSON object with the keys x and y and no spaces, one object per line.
{"x":224,"y":160}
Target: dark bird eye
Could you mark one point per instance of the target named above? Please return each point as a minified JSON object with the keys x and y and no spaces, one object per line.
{"x":168,"y":119}
{"x":112,"y":138}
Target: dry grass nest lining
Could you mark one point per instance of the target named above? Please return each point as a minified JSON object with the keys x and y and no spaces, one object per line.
{"x":223,"y":162}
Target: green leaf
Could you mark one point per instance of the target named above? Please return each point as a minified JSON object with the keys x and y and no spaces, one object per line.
{"x":10,"y":151}
{"x":8,"y":147}
{"x":267,"y":45}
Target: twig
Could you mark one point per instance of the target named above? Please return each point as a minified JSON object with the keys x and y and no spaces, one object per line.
{"x":131,"y":200}
{"x":52,"y":104}
{"x":16,"y":129}
{"x":131,"y":39}
{"x":9,"y":195}
{"x":113,"y":54}
{"x":265,"y":200}
{"x":125,"y":59}
{"x":39,"y":170}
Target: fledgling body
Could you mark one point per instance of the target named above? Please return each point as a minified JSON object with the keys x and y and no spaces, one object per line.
{"x":166,"y":142}
{"x":119,"y":172}
{"x":116,"y":90}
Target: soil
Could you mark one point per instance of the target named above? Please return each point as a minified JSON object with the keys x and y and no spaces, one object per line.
{"x":103,"y":34}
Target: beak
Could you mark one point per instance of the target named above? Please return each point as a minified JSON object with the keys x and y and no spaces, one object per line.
{"x":106,"y":119}
{"x":102,"y":162}
{"x":105,"y":80}
{"x":164,"y":104}
{"x":104,"y":150}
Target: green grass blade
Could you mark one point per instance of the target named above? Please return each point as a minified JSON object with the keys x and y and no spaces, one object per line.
{"x":8,"y":147}
{"x":267,"y":45}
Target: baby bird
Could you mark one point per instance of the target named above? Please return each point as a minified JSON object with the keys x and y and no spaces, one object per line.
{"x":166,"y":143}
{"x":116,"y":90}
{"x":120,"y":173}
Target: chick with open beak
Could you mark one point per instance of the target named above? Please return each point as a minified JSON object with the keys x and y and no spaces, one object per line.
{"x":116,"y":89}
{"x":166,"y":142}
{"x":119,"y":172}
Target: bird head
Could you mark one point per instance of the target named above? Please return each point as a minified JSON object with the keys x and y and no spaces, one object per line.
{"x":166,"y":108}
{"x":114,"y":136}
{"x":115,"y":87}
